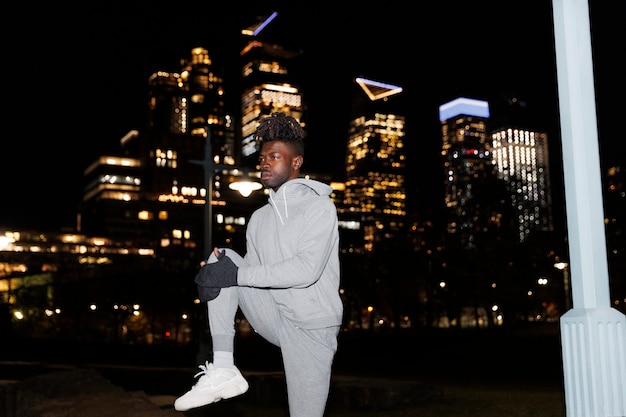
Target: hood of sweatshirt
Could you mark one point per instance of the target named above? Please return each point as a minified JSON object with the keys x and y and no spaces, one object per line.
{"x":295,"y":192}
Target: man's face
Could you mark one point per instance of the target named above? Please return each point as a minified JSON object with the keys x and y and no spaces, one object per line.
{"x":278,"y":164}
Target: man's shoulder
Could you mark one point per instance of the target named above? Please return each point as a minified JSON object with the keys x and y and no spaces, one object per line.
{"x":262,"y":208}
{"x":313,"y":186}
{"x":318,"y":202}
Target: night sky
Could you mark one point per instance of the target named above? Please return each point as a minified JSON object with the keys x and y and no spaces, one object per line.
{"x":76,"y":79}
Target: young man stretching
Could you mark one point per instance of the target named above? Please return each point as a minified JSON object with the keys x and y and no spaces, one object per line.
{"x":287,"y":284}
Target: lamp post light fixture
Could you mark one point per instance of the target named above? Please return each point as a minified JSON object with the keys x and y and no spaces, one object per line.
{"x":564,"y":266}
{"x":245,"y":186}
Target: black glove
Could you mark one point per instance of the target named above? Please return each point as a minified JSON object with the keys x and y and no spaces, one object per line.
{"x":207,"y":294}
{"x":220,"y":274}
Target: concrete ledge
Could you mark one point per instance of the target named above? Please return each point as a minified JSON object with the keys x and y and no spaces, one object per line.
{"x":74,"y":393}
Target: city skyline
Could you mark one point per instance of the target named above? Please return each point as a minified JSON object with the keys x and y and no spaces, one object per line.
{"x":104,"y":86}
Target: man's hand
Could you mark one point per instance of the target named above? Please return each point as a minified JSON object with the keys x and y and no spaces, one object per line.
{"x":207,"y":294}
{"x":220,"y":274}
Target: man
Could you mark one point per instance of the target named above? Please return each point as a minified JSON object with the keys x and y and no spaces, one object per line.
{"x":287,"y":285}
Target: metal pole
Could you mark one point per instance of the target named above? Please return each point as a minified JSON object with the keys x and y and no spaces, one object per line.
{"x":210,"y":167}
{"x":209,"y":170}
{"x":568,"y":304}
{"x":564,"y":268}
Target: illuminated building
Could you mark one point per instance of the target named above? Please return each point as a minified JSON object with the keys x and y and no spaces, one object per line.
{"x":521,"y":159}
{"x":267,"y":86}
{"x":473,"y":197}
{"x":374,"y":199}
{"x":156,"y":190}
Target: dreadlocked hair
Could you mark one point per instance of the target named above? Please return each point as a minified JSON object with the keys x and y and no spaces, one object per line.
{"x":279,"y":126}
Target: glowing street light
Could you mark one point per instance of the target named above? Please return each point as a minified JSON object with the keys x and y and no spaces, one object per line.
{"x":245,"y":187}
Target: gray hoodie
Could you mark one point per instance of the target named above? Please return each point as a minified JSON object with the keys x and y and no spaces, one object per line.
{"x":292,"y":248}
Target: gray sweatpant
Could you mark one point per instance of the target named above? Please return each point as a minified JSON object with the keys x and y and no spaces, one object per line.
{"x":307,"y":353}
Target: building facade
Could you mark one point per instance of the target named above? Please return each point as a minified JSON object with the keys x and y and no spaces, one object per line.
{"x":474,"y":198}
{"x":164,"y":182}
{"x":268,"y":86}
{"x":374,"y":198}
{"x":520,"y":157}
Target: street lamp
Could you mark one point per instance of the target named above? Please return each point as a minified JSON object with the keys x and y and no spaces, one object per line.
{"x":564,"y":266}
{"x":245,"y":187}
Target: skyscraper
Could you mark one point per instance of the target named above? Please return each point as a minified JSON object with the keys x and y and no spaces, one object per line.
{"x":375,"y":194}
{"x":267,"y":86}
{"x":474,"y":199}
{"x":521,"y":159}
{"x":159,"y":192}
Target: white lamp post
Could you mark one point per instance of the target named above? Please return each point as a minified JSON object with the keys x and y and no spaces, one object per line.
{"x":592,"y":333}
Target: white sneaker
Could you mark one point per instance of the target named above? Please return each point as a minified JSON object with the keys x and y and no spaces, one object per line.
{"x":214,"y":384}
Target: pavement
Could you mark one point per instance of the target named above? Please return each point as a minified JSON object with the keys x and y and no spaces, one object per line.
{"x":60,"y":379}
{"x":87,"y":393}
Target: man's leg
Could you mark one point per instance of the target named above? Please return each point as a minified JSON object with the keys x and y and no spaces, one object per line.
{"x":221,"y":313}
{"x":307,"y":354}
{"x":308,"y":357}
{"x":220,"y":379}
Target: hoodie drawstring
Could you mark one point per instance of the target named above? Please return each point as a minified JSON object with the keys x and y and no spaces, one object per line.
{"x":285,"y":200}
{"x":276,"y":208}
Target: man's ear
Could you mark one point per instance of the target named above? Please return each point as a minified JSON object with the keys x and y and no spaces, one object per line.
{"x":297,"y":162}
